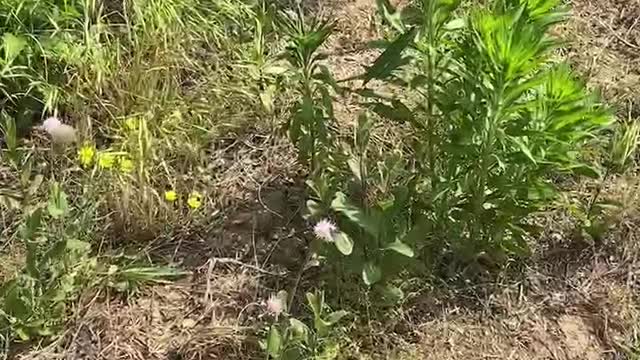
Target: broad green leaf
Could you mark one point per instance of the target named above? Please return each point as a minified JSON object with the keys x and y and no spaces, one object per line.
{"x":397,"y":111}
{"x":13,"y":46}
{"x":32,"y":224}
{"x":330,"y":350}
{"x":299,"y":329}
{"x":391,"y":58}
{"x":22,"y":333}
{"x":275,"y":70}
{"x":314,"y":208}
{"x":392,"y":293}
{"x":344,"y":244}
{"x":586,"y":170}
{"x":14,"y":303}
{"x":335,"y":316}
{"x":354,"y":165}
{"x":274,"y":342}
{"x":363,"y":132}
{"x":55,"y":253}
{"x":371,"y":273}
{"x":400,"y":248}
{"x":355,"y":214}
{"x":455,"y":24}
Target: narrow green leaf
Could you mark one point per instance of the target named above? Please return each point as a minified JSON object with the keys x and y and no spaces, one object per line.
{"x":344,"y":244}
{"x":315,"y":303}
{"x":335,"y":316}
{"x":371,"y":273}
{"x":586,"y":170}
{"x":391,"y":58}
{"x":523,"y":148}
{"x":274,"y":342}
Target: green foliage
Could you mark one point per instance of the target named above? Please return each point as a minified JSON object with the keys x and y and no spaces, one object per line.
{"x":487,"y":119}
{"x":291,"y":339}
{"x":57,"y":266}
{"x":312,"y":116}
{"x":491,"y":117}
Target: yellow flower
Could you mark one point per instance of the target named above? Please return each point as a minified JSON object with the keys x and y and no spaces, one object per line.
{"x":195,"y":200}
{"x":106,"y":160}
{"x":126,"y":165}
{"x":131,"y":124}
{"x":170,"y":195}
{"x":86,"y":154}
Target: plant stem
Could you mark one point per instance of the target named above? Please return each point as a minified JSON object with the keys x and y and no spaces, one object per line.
{"x":430,"y":98}
{"x":491,"y":120}
{"x":308,"y":92}
{"x":596,"y":195}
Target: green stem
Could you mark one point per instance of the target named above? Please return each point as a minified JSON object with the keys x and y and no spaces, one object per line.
{"x":598,"y":192}
{"x":430,"y":97}
{"x":311,"y":127}
{"x":487,"y":149}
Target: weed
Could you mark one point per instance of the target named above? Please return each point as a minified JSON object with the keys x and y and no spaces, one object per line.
{"x":290,"y":338}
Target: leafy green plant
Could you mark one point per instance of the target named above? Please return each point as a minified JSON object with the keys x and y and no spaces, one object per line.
{"x":488,"y":118}
{"x":57,"y":266}
{"x":596,"y":215}
{"x":491,"y":118}
{"x":370,"y":230}
{"x":289,"y":338}
{"x":312,"y":116}
{"x":373,"y":234}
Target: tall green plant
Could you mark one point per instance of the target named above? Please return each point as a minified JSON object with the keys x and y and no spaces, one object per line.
{"x":492,"y":116}
{"x":312,"y":115}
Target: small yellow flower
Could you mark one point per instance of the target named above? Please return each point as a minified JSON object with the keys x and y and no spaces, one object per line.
{"x":195,"y":200}
{"x":106,"y":160}
{"x":86,"y":154}
{"x":131,"y":124}
{"x":170,"y":195}
{"x":126,"y":165}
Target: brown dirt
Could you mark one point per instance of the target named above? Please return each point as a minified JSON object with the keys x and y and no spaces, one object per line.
{"x":603,"y":42}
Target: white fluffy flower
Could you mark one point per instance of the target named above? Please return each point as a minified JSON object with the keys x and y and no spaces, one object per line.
{"x":275,"y":305}
{"x":325,"y":230}
{"x":60,"y":133}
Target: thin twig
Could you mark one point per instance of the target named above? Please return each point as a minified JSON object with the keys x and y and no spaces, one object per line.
{"x":240,"y":263}
{"x":298,"y":279}
{"x":625,"y":41}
